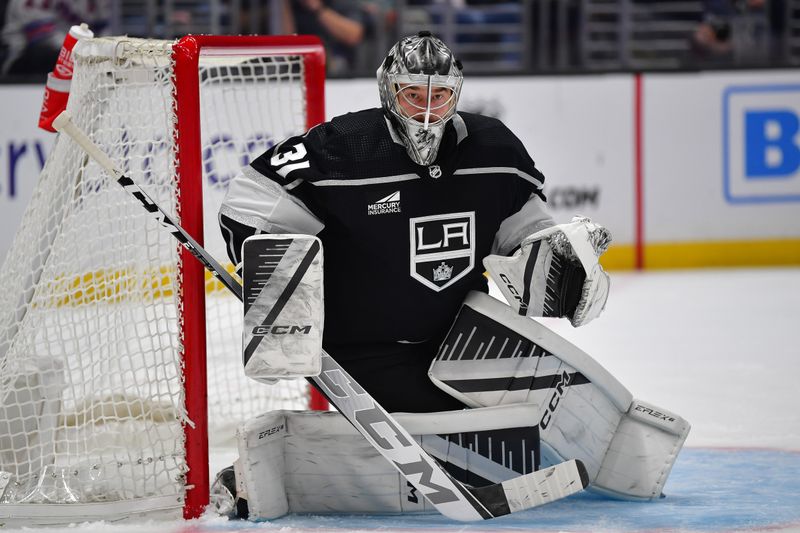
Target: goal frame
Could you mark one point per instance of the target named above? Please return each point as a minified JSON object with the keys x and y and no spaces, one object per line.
{"x":186,"y":102}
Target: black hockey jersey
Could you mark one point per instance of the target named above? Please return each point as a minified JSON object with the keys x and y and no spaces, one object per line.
{"x":402,"y":243}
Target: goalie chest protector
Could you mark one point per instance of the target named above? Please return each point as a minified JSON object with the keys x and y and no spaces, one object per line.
{"x":403,"y":242}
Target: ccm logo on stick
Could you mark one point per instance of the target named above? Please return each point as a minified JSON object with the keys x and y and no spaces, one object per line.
{"x":281,"y":330}
{"x":379,"y":427}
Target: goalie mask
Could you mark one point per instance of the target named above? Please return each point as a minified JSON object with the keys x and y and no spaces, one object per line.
{"x":419,"y":83}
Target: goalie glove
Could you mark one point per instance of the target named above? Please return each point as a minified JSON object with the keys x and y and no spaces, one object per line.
{"x":555,"y":272}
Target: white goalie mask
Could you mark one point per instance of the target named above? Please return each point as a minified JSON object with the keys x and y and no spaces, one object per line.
{"x":419,"y":83}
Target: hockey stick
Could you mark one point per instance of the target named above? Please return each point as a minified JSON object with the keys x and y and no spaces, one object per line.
{"x":450,"y":497}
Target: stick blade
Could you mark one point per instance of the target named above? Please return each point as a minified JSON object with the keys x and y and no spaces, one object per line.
{"x":534,"y":489}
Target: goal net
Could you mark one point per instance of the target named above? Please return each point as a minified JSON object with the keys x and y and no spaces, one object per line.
{"x":110,"y":335}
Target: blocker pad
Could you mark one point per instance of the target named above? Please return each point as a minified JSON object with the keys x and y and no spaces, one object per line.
{"x":283,"y":306}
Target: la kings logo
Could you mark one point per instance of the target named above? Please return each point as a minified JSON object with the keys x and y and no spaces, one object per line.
{"x":386,"y":205}
{"x":442,"y":248}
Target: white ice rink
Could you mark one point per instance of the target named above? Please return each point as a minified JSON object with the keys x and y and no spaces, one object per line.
{"x":719,"y":347}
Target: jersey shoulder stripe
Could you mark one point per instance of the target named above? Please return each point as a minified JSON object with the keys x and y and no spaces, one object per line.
{"x":492,"y":148}
{"x":367,"y":181}
{"x":537,"y":180}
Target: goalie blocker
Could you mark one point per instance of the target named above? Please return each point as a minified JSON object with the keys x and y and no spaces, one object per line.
{"x":283,"y":306}
{"x":492,"y":356}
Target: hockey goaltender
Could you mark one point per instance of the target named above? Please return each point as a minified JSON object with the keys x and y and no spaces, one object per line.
{"x":405,"y":199}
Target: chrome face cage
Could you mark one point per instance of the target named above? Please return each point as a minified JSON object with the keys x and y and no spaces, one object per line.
{"x":429,"y":113}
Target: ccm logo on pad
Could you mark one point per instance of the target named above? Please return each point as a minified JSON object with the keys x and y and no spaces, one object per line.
{"x":281,"y":330}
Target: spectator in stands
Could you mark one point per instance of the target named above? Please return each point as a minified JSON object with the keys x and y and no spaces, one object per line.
{"x":711,"y":40}
{"x":489,"y":33}
{"x":741,"y":31}
{"x":34,"y":30}
{"x":342,"y":25}
{"x":383,"y":14}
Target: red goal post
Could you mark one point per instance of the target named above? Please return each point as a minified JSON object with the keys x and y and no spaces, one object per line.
{"x":187,"y":52}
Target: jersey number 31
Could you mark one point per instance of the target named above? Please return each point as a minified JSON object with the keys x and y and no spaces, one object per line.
{"x":295,"y":153}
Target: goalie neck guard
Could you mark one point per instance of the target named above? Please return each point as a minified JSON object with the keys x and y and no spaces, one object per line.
{"x":419,"y":84}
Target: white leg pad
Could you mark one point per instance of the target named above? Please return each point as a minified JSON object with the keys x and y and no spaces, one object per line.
{"x":316,"y":462}
{"x":493,"y":356}
{"x":642,"y":452}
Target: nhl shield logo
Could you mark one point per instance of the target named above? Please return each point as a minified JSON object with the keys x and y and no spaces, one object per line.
{"x":442,"y":248}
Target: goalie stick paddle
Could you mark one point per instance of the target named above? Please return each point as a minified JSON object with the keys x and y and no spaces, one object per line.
{"x":450,"y":497}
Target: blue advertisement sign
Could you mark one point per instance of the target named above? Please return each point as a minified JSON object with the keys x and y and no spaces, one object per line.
{"x":761,"y":143}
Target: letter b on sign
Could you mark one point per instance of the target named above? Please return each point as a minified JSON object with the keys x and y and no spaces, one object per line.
{"x":761,"y":143}
{"x":771,"y":149}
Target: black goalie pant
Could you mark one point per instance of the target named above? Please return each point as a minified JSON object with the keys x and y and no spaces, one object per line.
{"x":396,"y":375}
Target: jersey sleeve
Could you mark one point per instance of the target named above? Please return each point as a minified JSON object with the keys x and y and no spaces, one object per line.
{"x":260,"y":197}
{"x":533,"y":216}
{"x":531,"y":213}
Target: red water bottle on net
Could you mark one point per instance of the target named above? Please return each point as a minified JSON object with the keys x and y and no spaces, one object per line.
{"x":56,"y":95}
{"x":56,"y":92}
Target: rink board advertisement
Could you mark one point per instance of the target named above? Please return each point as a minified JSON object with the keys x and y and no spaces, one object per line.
{"x":719,"y":169}
{"x":23,"y":151}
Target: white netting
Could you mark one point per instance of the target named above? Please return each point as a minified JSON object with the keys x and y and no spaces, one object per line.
{"x":91,"y":385}
{"x":255,"y":115}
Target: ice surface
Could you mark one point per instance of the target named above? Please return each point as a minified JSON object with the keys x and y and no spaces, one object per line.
{"x":720,"y":348}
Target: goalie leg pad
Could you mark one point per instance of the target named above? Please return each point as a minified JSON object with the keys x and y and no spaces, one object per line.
{"x":316,"y":462}
{"x":493,"y":356}
{"x":642,"y":452}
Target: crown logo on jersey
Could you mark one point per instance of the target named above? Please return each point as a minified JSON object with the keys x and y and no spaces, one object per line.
{"x":435,"y":171}
{"x":443,"y":272}
{"x":442,"y":248}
